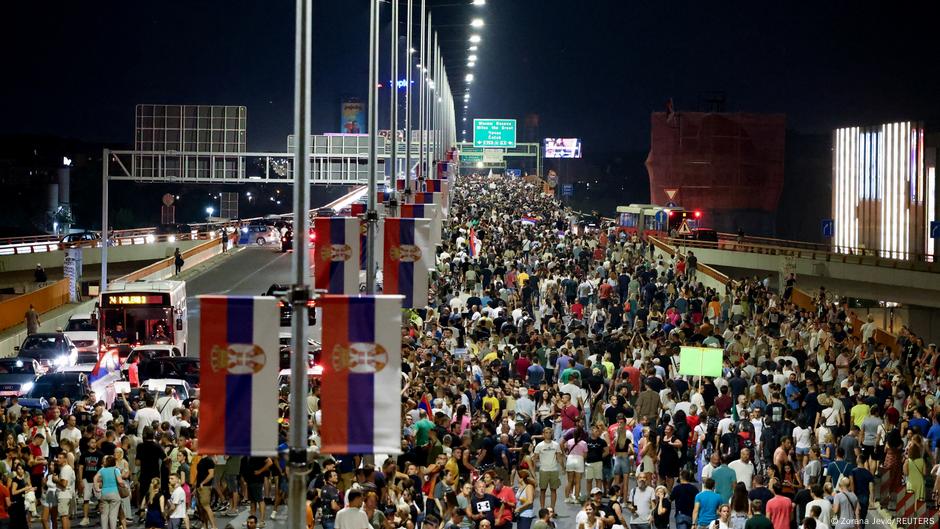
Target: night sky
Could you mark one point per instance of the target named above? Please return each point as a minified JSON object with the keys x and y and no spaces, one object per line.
{"x":593,"y":69}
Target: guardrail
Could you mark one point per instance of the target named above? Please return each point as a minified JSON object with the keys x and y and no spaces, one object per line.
{"x":809,"y":253}
{"x":200,"y":231}
{"x":829,"y":248}
{"x":13,"y":310}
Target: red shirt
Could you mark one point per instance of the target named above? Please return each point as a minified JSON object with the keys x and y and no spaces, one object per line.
{"x":779,"y":510}
{"x":604,"y":290}
{"x":577,"y":309}
{"x":36,"y":451}
{"x":4,"y":495}
{"x":508,"y":497}
{"x":522,"y":367}
{"x":634,"y":375}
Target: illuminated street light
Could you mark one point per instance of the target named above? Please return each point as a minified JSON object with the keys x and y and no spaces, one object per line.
{"x":210,"y":210}
{"x":471,"y":64}
{"x":469,"y":78}
{"x":473,"y":48}
{"x":472,"y":58}
{"x":479,"y":2}
{"x":475,"y":39}
{"x":477,"y":22}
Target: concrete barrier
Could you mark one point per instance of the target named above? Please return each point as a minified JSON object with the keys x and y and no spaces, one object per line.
{"x":92,"y":256}
{"x":163,"y":269}
{"x":13,"y":310}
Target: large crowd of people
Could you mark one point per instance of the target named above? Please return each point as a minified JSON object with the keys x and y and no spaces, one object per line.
{"x":545,"y":370}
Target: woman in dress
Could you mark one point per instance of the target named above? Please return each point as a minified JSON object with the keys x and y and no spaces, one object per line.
{"x":156,"y":506}
{"x":915,"y":468}
{"x":19,"y":486}
{"x":669,"y":448}
{"x":648,"y":450}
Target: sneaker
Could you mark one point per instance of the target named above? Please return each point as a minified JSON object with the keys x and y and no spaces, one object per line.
{"x":84,"y":522}
{"x":274,"y":515}
{"x":230,"y":513}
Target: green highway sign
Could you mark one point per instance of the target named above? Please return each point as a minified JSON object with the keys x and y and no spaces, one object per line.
{"x":471,"y":158}
{"x":494,"y":133}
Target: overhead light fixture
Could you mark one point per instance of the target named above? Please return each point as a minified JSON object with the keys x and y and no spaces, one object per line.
{"x":469,"y":78}
{"x":479,"y":2}
{"x":412,"y":50}
{"x":475,"y":39}
{"x":477,"y":22}
{"x":465,"y":119}
{"x":473,"y":48}
{"x":472,"y":58}
{"x":471,"y":64}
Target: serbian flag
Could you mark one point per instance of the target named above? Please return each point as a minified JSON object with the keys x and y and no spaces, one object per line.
{"x":407,"y":256}
{"x":425,"y":405}
{"x":432,"y":185}
{"x":238,"y":353}
{"x":336,"y":254}
{"x":381,"y":197}
{"x":424,"y":211}
{"x":361,"y":374}
{"x":472,"y":243}
{"x":532,"y":221}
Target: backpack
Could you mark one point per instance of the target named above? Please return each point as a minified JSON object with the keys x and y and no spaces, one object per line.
{"x":730,"y":445}
{"x":770,"y":440}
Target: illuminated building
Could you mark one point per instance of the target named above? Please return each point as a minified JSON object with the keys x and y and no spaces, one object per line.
{"x":884,"y":190}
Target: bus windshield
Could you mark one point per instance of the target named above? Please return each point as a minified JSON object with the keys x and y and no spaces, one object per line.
{"x":137,"y":325}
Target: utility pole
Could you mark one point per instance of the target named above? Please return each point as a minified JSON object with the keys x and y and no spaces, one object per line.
{"x":408,"y":68}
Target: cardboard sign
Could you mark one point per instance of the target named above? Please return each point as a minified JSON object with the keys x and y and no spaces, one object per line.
{"x":700,"y":361}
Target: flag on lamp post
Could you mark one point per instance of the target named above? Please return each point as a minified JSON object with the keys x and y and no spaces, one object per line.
{"x":336,"y":252}
{"x":361,"y":374}
{"x":425,"y":211}
{"x":407,"y":257}
{"x":238,"y":351}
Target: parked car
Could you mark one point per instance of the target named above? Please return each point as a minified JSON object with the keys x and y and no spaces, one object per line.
{"x":176,"y":367}
{"x":17,"y":376}
{"x":260,"y":234}
{"x":83,"y":331}
{"x":71,"y":385}
{"x":313,"y":351}
{"x":146,"y":352}
{"x":50,"y":349}
{"x":79,"y":237}
{"x":281,"y":292}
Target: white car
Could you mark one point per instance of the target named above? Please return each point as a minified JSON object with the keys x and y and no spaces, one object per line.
{"x":157,"y":386}
{"x":283,"y":378}
{"x":83,"y":331}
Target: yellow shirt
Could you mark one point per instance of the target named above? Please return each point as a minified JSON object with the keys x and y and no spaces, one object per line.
{"x":494,"y":411}
{"x":522,"y":278}
{"x":859,"y":412}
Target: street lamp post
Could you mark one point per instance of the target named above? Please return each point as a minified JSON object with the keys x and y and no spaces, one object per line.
{"x":393,"y":111}
{"x":371,"y":214}
{"x":422,"y":92}
{"x":300,"y":292}
{"x":408,"y":69}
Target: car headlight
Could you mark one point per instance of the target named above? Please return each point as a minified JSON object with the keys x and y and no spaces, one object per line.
{"x":61,"y":360}
{"x":24,"y":388}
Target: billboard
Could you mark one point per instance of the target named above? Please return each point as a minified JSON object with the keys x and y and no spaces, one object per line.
{"x":562,"y":147}
{"x":494,"y":133}
{"x":352,"y":116}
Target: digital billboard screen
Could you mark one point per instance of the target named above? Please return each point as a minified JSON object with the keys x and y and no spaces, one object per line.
{"x":562,"y":147}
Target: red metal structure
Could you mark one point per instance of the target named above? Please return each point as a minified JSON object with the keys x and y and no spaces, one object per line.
{"x":728,"y":164}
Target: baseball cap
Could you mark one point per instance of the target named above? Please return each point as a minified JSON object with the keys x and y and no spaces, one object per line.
{"x":596,"y":490}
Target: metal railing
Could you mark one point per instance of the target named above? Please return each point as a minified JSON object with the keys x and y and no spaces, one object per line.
{"x":807,"y":251}
{"x":823,"y":247}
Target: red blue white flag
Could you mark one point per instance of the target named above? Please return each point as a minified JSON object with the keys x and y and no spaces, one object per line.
{"x":336,"y":254}
{"x":432,"y":185}
{"x":407,"y":256}
{"x":238,"y":351}
{"x":424,"y":211}
{"x":361,"y":374}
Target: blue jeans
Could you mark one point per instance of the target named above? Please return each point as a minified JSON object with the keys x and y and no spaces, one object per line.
{"x":328,"y":524}
{"x":683,"y":521}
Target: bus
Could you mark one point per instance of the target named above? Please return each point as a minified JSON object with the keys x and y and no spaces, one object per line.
{"x":148,"y":312}
{"x":659,"y":221}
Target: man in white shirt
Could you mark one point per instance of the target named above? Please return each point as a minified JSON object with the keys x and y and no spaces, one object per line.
{"x":549,"y":458}
{"x":642,"y":501}
{"x":744,"y":468}
{"x":146,"y":415}
{"x":65,"y":485}
{"x":71,"y":433}
{"x":868,"y":329}
{"x":352,"y":516}
{"x":167,"y":403}
{"x":177,"y":503}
